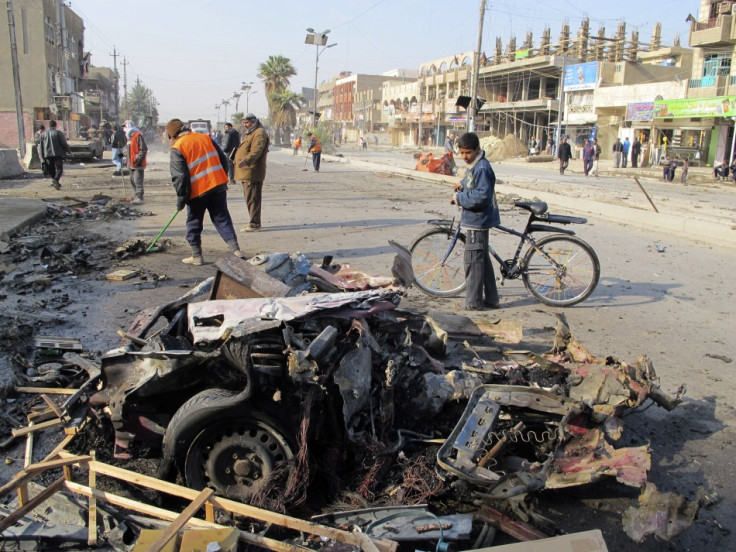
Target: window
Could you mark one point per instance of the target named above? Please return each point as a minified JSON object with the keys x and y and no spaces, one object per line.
{"x":717,"y":65}
{"x":49,"y":31}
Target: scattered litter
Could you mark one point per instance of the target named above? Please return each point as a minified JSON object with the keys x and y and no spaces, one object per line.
{"x":121,"y":275}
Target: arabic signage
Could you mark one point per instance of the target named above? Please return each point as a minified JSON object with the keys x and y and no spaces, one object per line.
{"x":521,"y":54}
{"x":722,"y":106}
{"x":581,"y":76}
{"x":642,"y":111}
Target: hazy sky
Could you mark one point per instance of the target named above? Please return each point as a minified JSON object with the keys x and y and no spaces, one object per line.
{"x":195,"y":53}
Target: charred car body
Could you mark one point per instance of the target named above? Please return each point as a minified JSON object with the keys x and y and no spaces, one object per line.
{"x":249,"y":395}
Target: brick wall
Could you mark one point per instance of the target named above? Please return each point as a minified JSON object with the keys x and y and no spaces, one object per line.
{"x":9,"y":129}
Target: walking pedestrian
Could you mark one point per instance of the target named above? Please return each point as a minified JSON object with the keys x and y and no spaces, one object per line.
{"x":596,"y":156}
{"x":54,"y":147}
{"x":618,"y":147}
{"x":315,"y":148}
{"x":588,"y":156}
{"x":297,"y":144}
{"x":625,"y":156}
{"x":685,"y":167}
{"x":40,"y":129}
{"x":137,"y":153}
{"x":250,"y":168}
{"x":118,"y":143}
{"x":476,"y":194}
{"x":230,"y":142}
{"x":635,"y":152}
{"x":199,"y":175}
{"x":666,"y":168}
{"x":450,"y":152}
{"x":564,"y":154}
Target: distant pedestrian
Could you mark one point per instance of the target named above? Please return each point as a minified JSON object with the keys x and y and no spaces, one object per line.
{"x":315,"y":148}
{"x":297,"y":144}
{"x":720,"y":170}
{"x":625,"y":155}
{"x":588,"y":157}
{"x":564,"y":154}
{"x":118,"y":143}
{"x":685,"y":167}
{"x":635,"y":152}
{"x":54,"y":147}
{"x":230,"y":142}
{"x":250,"y":168}
{"x":198,"y":173}
{"x":618,"y":148}
{"x":137,"y":154}
{"x":40,"y":129}
{"x":666,"y":168}
{"x":450,"y":152}
{"x":673,"y":167}
{"x":363,"y":143}
{"x":596,"y":156}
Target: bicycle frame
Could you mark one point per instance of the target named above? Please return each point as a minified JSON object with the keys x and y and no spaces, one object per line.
{"x":512,"y":269}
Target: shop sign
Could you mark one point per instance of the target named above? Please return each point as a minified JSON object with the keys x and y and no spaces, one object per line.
{"x":456,"y":119}
{"x":581,"y":76}
{"x":642,"y":111}
{"x":722,"y":106}
{"x":521,"y":54}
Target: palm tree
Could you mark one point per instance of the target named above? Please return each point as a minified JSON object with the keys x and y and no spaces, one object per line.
{"x":275,"y":73}
{"x":140,"y":104}
{"x":284,"y":105}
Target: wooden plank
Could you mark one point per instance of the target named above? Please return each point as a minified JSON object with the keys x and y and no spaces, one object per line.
{"x":22,"y":493}
{"x":188,"y":513}
{"x":40,"y":498}
{"x":58,"y":463}
{"x":61,"y":446}
{"x":52,"y":405}
{"x":368,"y":544}
{"x":115,"y":500}
{"x":48,"y":390}
{"x":42,"y":416}
{"x":28,"y":459}
{"x":209,"y":512}
{"x":35,"y":427}
{"x":92,"y":524}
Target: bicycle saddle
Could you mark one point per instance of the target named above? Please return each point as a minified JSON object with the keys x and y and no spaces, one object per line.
{"x":536,"y":207}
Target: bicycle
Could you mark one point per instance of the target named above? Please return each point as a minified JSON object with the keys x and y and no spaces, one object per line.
{"x":558,"y":269}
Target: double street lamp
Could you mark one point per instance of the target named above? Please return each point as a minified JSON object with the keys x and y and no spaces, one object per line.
{"x":318,"y":39}
{"x":247,"y":90}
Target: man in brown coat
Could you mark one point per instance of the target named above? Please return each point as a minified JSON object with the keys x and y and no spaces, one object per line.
{"x":250,"y":168}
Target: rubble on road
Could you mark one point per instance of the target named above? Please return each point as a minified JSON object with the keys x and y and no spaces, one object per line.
{"x":302,"y":388}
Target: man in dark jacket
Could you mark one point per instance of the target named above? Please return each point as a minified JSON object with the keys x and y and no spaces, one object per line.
{"x":54,"y":148}
{"x":118,"y":143}
{"x":199,"y":174}
{"x":230,"y":142}
{"x":477,"y":196}
{"x":635,"y":152}
{"x":564,"y":153}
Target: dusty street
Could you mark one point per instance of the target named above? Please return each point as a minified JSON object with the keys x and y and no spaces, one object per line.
{"x":660,"y":295}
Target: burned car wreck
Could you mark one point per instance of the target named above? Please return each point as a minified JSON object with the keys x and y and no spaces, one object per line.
{"x":305,"y":388}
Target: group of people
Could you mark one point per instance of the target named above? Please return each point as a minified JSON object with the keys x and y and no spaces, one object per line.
{"x":669,"y":166}
{"x":591,"y":154}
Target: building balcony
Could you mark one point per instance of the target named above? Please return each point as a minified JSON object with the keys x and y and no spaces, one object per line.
{"x":709,"y":87}
{"x":718,"y":31}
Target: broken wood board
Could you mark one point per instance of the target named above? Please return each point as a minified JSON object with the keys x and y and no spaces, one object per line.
{"x":588,"y":541}
{"x":121,"y":275}
{"x":501,"y":329}
{"x":47,"y":390}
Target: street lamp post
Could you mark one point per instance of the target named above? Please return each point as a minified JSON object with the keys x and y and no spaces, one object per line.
{"x":217,"y":107}
{"x":225,"y":103}
{"x":318,"y":39}
{"x":236,"y":97}
{"x":247,"y":89}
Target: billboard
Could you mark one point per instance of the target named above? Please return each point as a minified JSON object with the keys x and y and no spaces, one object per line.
{"x":642,"y":111}
{"x":581,"y":76}
{"x":722,"y":106}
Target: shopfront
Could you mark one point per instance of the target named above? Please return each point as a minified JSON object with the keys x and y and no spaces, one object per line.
{"x":701,"y":129}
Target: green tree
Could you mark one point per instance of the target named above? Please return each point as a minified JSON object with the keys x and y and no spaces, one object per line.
{"x":275,"y":73}
{"x":284,"y":105}
{"x":139,"y":105}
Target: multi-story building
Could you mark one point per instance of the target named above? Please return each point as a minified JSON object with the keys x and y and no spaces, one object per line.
{"x":706,"y":118}
{"x":49,"y":41}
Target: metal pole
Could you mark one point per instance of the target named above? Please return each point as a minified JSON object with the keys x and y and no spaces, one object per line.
{"x":419,"y":130}
{"x":16,"y":81}
{"x":560,"y":107}
{"x":733,"y":141}
{"x":476,"y":71}
{"x":316,"y":91}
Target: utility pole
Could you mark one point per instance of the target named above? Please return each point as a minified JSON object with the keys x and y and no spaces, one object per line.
{"x":16,"y":80}
{"x":117,"y":82}
{"x":125,"y":86}
{"x":472,"y":112}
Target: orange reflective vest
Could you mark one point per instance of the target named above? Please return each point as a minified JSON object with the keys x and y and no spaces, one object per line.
{"x":203,"y":162}
{"x":315,"y":145}
{"x":135,"y":149}
{"x":298,"y":143}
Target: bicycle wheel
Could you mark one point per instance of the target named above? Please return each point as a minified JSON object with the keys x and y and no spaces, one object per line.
{"x":431,"y":275}
{"x":569,"y":277}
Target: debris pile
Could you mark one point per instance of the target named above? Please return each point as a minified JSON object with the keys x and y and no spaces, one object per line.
{"x":507,"y":148}
{"x":301,"y":388}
